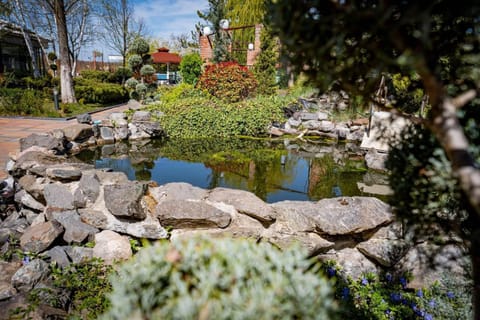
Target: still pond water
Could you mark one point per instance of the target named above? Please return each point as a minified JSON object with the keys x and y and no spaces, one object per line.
{"x":273,"y":170}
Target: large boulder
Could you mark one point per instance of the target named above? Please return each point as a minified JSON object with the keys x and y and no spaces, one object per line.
{"x":75,"y":230}
{"x":141,"y":116}
{"x":245,"y":202}
{"x":191,"y":214}
{"x":39,"y":237}
{"x":88,"y":189}
{"x":58,"y":196}
{"x":33,"y":185}
{"x":42,"y":140}
{"x":384,"y":252}
{"x":35,"y":157}
{"x":28,"y":201}
{"x":123,"y":200}
{"x":177,"y":191}
{"x":78,"y":132}
{"x":64,"y":173}
{"x":376,"y":160}
{"x":354,"y":264}
{"x":29,"y":275}
{"x":111,"y":247}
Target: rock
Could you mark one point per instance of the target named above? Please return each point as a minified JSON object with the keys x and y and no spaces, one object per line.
{"x":149,"y":228}
{"x":107,"y":134}
{"x":84,"y":118}
{"x":44,"y":140}
{"x":58,"y":196}
{"x":340,"y":216}
{"x":342,"y":132}
{"x":33,"y":186}
{"x":140,"y":116}
{"x":428,"y":263}
{"x":191,"y":214}
{"x":6,"y":291}
{"x":285,"y":239}
{"x":28,"y":201}
{"x":177,"y":191}
{"x":294,"y":123}
{"x":353,"y":263}
{"x":109,"y":178}
{"x":117,"y":116}
{"x":39,"y":237}
{"x":78,"y":132}
{"x":8,"y":269}
{"x":75,"y":230}
{"x":385,"y":252}
{"x":79,"y":254}
{"x":245,"y":202}
{"x":376,"y":160}
{"x":123,"y":200}
{"x":88,"y":190}
{"x":29,"y":275}
{"x":322,"y":116}
{"x":360,"y":122}
{"x":35,"y":157}
{"x":110,"y":247}
{"x":58,"y":255}
{"x":136,"y":133}
{"x":305,"y":116}
{"x":356,"y":135}
{"x":64,"y":173}
{"x":274,"y":131}
{"x":121,"y":132}
{"x":326,"y":126}
{"x":312,"y":124}
{"x":15,"y":223}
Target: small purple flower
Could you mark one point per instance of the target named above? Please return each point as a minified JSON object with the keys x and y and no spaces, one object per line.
{"x":364,"y":281}
{"x":26,"y":260}
{"x":345,"y":293}
{"x":387,"y":311}
{"x":450,"y":295}
{"x":389,"y":277}
{"x":331,"y":271}
{"x":420,"y":293}
{"x":431,"y":303}
{"x":403,"y":282}
{"x":395,"y":297}
{"x":428,"y":316}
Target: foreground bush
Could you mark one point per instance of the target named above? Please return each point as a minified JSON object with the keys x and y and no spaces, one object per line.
{"x":219,"y":279}
{"x":228,"y":81}
{"x":91,"y":91}
{"x":25,"y":102}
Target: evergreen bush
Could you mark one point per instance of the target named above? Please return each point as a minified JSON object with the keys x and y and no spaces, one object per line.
{"x":191,"y":68}
{"x":204,"y":278}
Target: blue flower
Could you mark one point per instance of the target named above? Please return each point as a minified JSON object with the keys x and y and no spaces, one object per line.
{"x":331,"y":271}
{"x":364,"y":281}
{"x":432,"y":303}
{"x":345,"y":293}
{"x":26,"y":260}
{"x":420,"y":293}
{"x":389,"y":277}
{"x":387,"y":311}
{"x":403,"y":282}
{"x":428,"y":316}
{"x":450,"y":295}
{"x":395,"y":297}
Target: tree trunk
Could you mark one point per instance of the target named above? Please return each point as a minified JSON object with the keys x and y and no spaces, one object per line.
{"x":66,"y":80}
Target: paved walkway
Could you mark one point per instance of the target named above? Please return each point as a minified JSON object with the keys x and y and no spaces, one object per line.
{"x":12,"y":129}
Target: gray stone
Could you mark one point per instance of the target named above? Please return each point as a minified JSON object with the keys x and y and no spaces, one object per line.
{"x":78,"y":132}
{"x":245,"y":202}
{"x":88,"y":189}
{"x":6,"y":291}
{"x":108,"y":150}
{"x":64,"y":173}
{"x":356,"y":135}
{"x":9,"y":165}
{"x":385,"y":252}
{"x":39,"y":237}
{"x":305,"y":116}
{"x":376,"y":160}
{"x":312,"y":124}
{"x":322,"y":116}
{"x":384,"y":128}
{"x":123,"y":200}
{"x":121,"y":132}
{"x":152,"y":128}
{"x":107,"y":134}
{"x":27,"y":200}
{"x":8,"y":269}
{"x":149,"y":228}
{"x":177,"y":191}
{"x":79,"y":254}
{"x":111,"y":247}
{"x":15,"y":223}
{"x":353,"y":263}
{"x":117,"y":116}
{"x":428,"y":263}
{"x":342,"y":132}
{"x":58,"y":196}
{"x":42,"y":140}
{"x":84,"y":118}
{"x":58,"y":255}
{"x":34,"y":157}
{"x":294,"y":123}
{"x":191,"y":214}
{"x":29,"y":275}
{"x":141,"y":116}
{"x":75,"y":230}
{"x":341,"y":216}
{"x":33,"y":186}
{"x":326,"y":126}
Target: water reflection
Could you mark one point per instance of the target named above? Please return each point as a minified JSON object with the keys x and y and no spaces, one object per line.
{"x":273,"y":170}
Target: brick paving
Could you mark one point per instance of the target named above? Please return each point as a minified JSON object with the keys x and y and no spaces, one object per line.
{"x":12,"y":129}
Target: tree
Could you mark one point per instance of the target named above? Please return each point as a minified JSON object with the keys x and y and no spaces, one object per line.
{"x":80,"y":29}
{"x":216,"y":13}
{"x":352,"y":42}
{"x":265,"y":66}
{"x":191,"y":68}
{"x":120,"y":27}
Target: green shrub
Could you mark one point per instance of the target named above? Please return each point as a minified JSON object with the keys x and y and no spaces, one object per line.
{"x":97,"y":75}
{"x":131,"y":83}
{"x":25,"y":102}
{"x":98,"y":92}
{"x":228,"y":81}
{"x":147,"y":70}
{"x":191,"y":68}
{"x":135,"y":61}
{"x":219,"y":279}
{"x":121,"y":74}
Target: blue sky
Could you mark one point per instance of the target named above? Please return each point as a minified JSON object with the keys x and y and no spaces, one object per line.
{"x":166,"y":17}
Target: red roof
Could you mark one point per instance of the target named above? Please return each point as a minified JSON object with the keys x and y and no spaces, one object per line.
{"x":164,"y":56}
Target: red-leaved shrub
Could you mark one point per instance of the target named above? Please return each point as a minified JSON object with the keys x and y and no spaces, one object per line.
{"x":228,"y":81}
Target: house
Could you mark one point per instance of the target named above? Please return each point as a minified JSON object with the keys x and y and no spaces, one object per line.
{"x":14,"y":54}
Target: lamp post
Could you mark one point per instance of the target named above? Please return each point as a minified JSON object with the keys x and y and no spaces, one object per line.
{"x":55,"y":98}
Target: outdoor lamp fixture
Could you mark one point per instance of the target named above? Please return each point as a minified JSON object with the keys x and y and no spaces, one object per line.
{"x":224,"y":24}
{"x":250,"y":47}
{"x":55,"y":98}
{"x":207,"y":31}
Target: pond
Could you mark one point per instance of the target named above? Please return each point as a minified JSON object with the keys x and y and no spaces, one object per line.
{"x":274,"y":170}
